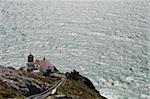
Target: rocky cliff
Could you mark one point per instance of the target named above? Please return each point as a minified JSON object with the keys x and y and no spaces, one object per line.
{"x":20,"y":84}
{"x":78,"y":87}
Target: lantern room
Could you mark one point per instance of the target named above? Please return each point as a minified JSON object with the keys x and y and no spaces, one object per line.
{"x":30,"y":58}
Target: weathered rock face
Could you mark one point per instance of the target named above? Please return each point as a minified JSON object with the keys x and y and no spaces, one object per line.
{"x":25,"y":82}
{"x":32,"y":88}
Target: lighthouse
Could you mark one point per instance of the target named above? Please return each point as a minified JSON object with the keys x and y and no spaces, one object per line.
{"x":30,"y":64}
{"x":30,"y":58}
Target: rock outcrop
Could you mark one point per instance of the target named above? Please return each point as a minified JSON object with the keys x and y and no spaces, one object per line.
{"x":78,"y":87}
{"x":25,"y":82}
{"x":76,"y":76}
{"x":21,"y":83}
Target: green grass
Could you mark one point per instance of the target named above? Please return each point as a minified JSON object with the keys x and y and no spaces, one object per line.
{"x":7,"y":92}
{"x":77,"y":88}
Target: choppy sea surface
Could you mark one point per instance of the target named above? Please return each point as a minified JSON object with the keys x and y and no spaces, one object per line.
{"x":107,"y":41}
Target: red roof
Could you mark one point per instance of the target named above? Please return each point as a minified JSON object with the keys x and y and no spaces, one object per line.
{"x":44,"y":63}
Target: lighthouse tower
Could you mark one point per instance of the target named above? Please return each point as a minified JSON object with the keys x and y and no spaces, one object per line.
{"x":30,"y":58}
{"x":30,"y":65}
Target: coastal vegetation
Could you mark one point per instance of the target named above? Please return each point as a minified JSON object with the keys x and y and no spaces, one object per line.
{"x":8,"y":92}
{"x":76,"y":89}
{"x":20,"y":84}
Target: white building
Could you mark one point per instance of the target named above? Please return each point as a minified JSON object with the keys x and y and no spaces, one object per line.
{"x":46,"y":66}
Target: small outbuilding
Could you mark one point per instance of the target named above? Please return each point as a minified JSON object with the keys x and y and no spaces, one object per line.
{"x":45,"y":66}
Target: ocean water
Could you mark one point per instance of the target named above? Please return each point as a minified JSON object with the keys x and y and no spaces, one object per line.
{"x":107,"y":41}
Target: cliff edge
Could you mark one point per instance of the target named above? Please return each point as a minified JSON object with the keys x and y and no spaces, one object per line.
{"x":23,"y":84}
